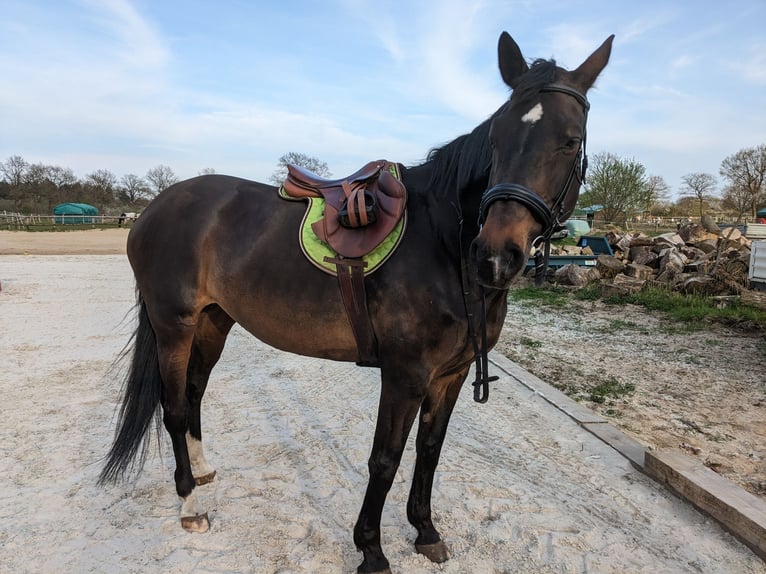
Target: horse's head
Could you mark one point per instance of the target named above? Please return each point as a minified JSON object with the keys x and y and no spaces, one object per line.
{"x":538,"y":159}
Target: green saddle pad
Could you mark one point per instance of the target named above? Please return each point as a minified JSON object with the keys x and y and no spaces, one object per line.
{"x":316,"y":250}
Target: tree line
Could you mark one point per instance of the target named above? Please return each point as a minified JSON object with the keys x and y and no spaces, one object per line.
{"x":620,"y":186}
{"x":624,"y":190}
{"x":37,"y":188}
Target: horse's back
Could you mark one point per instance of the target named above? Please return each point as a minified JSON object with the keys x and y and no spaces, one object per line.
{"x":230,"y":242}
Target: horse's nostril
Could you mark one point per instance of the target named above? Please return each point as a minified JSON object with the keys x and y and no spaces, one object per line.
{"x":516,"y":256}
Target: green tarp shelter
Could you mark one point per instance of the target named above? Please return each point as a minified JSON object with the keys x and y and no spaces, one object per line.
{"x":74,"y":213}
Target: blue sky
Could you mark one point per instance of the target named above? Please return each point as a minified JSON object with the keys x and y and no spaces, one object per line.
{"x":126,"y":85}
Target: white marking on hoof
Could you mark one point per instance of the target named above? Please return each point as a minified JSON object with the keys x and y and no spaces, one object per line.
{"x":199,"y":524}
{"x":193,"y":515}
{"x":533,"y":116}
{"x":201,"y":470}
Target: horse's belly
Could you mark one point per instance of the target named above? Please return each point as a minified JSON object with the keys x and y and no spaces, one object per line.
{"x":310,"y":334}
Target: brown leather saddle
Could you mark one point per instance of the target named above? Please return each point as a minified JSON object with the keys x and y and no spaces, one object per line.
{"x":361,"y":210}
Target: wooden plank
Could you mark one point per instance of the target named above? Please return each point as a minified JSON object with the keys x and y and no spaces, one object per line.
{"x":741,"y":513}
{"x":627,"y":446}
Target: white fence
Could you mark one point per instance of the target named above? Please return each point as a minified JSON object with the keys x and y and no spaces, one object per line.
{"x":15,"y":220}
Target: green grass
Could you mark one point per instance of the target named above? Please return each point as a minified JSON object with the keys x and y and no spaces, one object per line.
{"x":61,"y":227}
{"x":532,"y":343}
{"x":611,"y":389}
{"x":692,"y":308}
{"x":548,"y":295}
{"x":688,"y":313}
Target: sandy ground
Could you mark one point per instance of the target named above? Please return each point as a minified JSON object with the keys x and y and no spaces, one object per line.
{"x":94,"y":242}
{"x":521,"y":488}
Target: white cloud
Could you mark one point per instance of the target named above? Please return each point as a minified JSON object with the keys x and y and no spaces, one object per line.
{"x":752,"y":66}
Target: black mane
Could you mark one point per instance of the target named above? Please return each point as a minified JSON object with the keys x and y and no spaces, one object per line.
{"x":467,"y":159}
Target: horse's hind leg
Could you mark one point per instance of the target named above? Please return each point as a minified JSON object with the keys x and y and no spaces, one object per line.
{"x":174,"y":343}
{"x":209,"y":338}
{"x":434,"y":417}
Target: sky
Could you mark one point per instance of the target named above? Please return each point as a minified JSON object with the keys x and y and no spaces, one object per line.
{"x":232,"y":85}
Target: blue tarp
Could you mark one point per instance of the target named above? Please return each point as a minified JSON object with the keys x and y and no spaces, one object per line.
{"x":74,"y":213}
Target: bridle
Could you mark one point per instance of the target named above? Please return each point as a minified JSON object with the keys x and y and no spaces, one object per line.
{"x":549,"y":217}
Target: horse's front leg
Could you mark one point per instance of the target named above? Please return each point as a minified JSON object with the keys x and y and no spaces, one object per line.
{"x":399,"y":404}
{"x":434,"y":417}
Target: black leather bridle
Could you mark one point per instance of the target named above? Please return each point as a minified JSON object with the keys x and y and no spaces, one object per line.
{"x":549,"y":217}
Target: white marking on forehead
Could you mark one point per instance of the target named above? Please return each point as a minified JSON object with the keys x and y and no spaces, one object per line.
{"x":533,"y":115}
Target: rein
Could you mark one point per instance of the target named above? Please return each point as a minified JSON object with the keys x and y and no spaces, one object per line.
{"x":549,"y":217}
{"x":480,"y":351}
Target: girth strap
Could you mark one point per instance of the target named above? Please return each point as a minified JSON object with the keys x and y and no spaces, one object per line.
{"x":351,"y":283}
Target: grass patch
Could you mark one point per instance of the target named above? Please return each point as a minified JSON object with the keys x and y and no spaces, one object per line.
{"x":688,"y":313}
{"x":548,"y":295}
{"x":590,"y":292}
{"x":611,"y":389}
{"x":63,"y":227}
{"x":532,"y":343}
{"x":692,"y":309}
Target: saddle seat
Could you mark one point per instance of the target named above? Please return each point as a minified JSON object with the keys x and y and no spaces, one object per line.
{"x":310,"y":181}
{"x":360,"y":211}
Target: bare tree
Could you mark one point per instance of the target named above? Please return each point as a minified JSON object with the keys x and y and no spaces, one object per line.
{"x":300,"y":159}
{"x":160,"y":178}
{"x":13,"y":169}
{"x":701,"y":186}
{"x":745,"y":172}
{"x":207,"y":171}
{"x":738,"y":200}
{"x":61,"y":177}
{"x":102,"y":184}
{"x":132,"y":188}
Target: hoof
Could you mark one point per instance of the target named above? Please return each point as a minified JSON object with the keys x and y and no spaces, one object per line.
{"x":198,"y":523}
{"x":436,"y":552}
{"x":204,"y":479}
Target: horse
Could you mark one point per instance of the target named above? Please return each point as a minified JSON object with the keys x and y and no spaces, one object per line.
{"x":130,"y":216}
{"x":216,"y":250}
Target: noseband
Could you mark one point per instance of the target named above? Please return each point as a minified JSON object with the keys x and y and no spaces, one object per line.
{"x":548,"y":217}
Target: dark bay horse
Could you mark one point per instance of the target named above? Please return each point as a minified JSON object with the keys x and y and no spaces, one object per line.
{"x":217,"y":250}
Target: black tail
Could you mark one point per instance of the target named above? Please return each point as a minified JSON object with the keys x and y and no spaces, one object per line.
{"x":142,"y":390}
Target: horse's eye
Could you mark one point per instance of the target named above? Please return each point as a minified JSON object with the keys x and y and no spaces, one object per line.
{"x":572,"y":144}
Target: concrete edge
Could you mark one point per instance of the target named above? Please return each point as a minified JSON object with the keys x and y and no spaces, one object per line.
{"x":736,"y":510}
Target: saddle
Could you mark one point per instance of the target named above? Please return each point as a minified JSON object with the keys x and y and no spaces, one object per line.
{"x":361,"y":213}
{"x":361,"y":210}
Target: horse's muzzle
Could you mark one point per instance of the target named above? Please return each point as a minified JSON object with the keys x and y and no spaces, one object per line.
{"x":496,"y":269}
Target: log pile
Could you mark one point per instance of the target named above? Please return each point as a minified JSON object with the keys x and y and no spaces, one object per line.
{"x":698,"y":258}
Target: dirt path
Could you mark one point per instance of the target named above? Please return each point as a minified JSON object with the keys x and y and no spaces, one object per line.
{"x":521,"y":488}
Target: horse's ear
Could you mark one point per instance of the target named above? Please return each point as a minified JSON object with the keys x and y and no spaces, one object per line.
{"x":586,"y":74}
{"x":512,"y":63}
